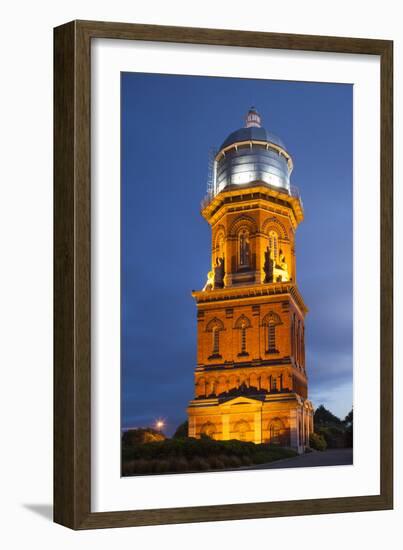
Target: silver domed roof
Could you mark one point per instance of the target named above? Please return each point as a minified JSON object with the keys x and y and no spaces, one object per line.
{"x":257,"y":156}
{"x":252,"y":133}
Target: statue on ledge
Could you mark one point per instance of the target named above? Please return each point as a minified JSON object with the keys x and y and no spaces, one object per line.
{"x":268,"y":266}
{"x":215,"y":277}
{"x":281,"y":268}
{"x":219,"y":272}
{"x":282,"y":263}
{"x":210,"y":281}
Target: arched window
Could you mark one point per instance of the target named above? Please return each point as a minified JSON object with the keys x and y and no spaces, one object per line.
{"x":211,"y":386}
{"x":299,"y":342}
{"x":271,"y":340}
{"x":271,"y":321}
{"x":243,"y":338}
{"x":300,"y":432}
{"x":216,"y":340}
{"x":293,"y":334}
{"x":208,"y":429}
{"x":241,"y":430}
{"x":201,"y":387}
{"x":219,"y":245}
{"x":276,"y":431}
{"x":273,"y":244}
{"x":242,"y":324}
{"x":222,"y":385}
{"x":244,"y":248}
{"x":215,"y":326}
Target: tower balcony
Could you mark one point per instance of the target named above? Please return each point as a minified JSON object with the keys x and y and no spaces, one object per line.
{"x":294,"y":192}
{"x":236,"y":193}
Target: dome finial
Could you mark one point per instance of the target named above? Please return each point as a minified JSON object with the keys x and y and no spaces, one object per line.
{"x":253,"y":119}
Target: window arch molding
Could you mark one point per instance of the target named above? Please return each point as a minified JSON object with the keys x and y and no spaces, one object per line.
{"x":219,"y":240}
{"x":209,"y":429}
{"x":274,"y":224}
{"x":214,"y":323}
{"x":242,"y":322}
{"x":271,"y":318}
{"x":219,"y":230}
{"x":277,"y":420}
{"x":242,"y":222}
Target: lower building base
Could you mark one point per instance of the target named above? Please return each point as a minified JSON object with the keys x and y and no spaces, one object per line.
{"x":283,"y":419}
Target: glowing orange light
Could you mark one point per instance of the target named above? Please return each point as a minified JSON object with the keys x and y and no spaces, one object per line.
{"x":159,"y":424}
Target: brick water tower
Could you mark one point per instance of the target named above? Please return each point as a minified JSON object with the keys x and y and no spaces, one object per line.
{"x":250,"y":379}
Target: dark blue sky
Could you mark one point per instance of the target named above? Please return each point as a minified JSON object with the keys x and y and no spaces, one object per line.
{"x":168,"y":125}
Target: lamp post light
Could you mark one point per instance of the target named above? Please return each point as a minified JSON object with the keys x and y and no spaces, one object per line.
{"x":159,"y":424}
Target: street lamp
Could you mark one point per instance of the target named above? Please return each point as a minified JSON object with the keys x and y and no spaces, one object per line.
{"x":159,"y":424}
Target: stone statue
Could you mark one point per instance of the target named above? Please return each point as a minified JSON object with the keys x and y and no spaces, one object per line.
{"x":280,"y":271}
{"x":282,"y":263}
{"x":210,"y":281}
{"x":268,"y":266}
{"x":219,"y":272}
{"x":244,"y":252}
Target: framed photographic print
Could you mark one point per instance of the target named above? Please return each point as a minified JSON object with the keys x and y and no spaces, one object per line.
{"x":223,"y":275}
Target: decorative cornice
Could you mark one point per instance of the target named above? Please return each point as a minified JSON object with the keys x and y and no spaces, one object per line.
{"x":278,"y":362}
{"x":238,"y":194}
{"x":268,"y":397}
{"x":251,"y":292}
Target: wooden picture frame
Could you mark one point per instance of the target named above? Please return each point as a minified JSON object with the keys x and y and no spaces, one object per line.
{"x":72,"y":269}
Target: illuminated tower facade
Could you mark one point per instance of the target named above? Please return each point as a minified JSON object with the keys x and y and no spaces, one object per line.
{"x":250,"y":379}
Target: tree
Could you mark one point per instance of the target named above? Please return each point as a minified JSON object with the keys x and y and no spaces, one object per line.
{"x":141,"y":435}
{"x":348,"y":423}
{"x":334,"y":436}
{"x":317,"y":441}
{"x":323,"y":417}
{"x":182,"y":430}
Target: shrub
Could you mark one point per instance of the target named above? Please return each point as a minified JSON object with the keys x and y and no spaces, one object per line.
{"x":134,"y":467}
{"x":334,"y":436}
{"x":141,"y":435}
{"x":348,"y":437}
{"x":160,"y":466}
{"x":233,"y":461}
{"x":198,"y":464}
{"x":246,"y":460}
{"x":216,"y":463}
{"x":190,"y":454}
{"x":128,"y":468}
{"x":181,"y":430}
{"x":317,"y":441}
{"x":178,"y":464}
